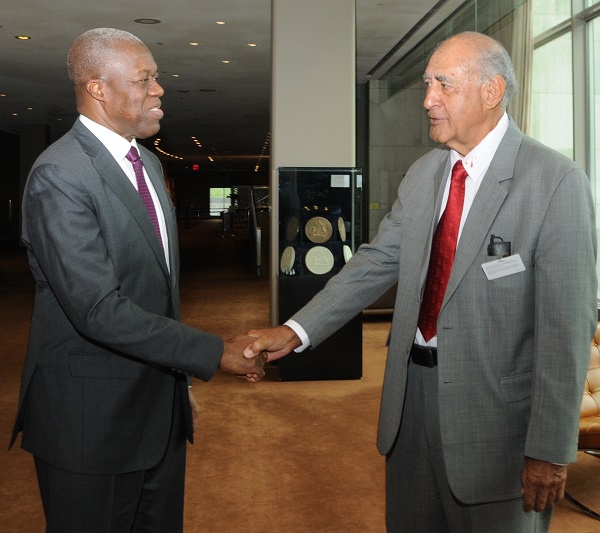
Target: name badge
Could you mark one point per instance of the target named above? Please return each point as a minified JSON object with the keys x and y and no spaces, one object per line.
{"x":503,"y":267}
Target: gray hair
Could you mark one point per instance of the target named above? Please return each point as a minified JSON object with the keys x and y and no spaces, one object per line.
{"x":492,"y":60}
{"x":92,"y":50}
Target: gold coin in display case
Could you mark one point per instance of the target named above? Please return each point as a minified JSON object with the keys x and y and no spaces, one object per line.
{"x":342,"y":229}
{"x":288,"y":256}
{"x":319,"y":260}
{"x":291,"y":231}
{"x":318,"y":229}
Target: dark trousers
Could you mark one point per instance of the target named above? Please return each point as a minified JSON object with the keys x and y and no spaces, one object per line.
{"x":149,"y":501}
{"x":418,"y":496}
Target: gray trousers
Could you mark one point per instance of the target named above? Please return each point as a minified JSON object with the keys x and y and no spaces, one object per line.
{"x":418,"y":497}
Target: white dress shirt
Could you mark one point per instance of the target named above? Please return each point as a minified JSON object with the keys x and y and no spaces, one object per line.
{"x":119,"y":147}
{"x":476,"y":164}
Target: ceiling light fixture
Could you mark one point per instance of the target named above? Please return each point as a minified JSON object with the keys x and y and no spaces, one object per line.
{"x":159,"y":149}
{"x":194,"y":44}
{"x":252,"y":45}
{"x":22,"y":37}
{"x":220,"y":23}
{"x":147,"y":21}
{"x":263,"y":152}
{"x":226,"y":61}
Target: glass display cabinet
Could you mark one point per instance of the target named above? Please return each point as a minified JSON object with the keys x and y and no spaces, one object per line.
{"x":320,"y":228}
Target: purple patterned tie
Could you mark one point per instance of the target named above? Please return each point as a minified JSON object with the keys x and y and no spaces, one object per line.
{"x":143,"y":191}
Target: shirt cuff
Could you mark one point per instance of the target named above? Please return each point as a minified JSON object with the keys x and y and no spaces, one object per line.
{"x":299,"y":330}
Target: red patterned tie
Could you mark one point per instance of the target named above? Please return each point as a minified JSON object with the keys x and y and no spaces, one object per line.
{"x":443,"y":249}
{"x":143,"y":191}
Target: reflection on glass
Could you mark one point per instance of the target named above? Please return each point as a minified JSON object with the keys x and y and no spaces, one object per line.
{"x":552,"y":95}
{"x":549,"y":13}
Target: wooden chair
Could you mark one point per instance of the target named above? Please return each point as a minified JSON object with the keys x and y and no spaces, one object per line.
{"x":589,"y":424}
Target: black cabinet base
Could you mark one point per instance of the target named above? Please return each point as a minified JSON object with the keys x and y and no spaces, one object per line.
{"x":338,"y":357}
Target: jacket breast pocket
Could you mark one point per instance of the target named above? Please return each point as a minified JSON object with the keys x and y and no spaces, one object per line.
{"x":512,"y":290}
{"x":85,"y":365}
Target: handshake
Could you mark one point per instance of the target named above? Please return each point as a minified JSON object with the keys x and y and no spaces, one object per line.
{"x":246,"y":355}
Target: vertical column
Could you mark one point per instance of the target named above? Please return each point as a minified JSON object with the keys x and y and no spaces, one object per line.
{"x":313,"y":94}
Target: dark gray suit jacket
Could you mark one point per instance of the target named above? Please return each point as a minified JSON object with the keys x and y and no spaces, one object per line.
{"x":99,"y":385}
{"x":512,"y":352}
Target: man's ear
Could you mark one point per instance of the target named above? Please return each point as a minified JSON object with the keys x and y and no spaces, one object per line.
{"x":494,"y":90}
{"x":95,"y":88}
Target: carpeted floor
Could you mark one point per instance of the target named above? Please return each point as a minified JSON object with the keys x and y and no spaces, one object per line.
{"x":271,"y":457}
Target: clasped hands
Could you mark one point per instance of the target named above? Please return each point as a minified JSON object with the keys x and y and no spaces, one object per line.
{"x":246,"y":355}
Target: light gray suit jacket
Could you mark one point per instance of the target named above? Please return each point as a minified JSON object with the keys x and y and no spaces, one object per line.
{"x":512,"y":352}
{"x":99,"y":385}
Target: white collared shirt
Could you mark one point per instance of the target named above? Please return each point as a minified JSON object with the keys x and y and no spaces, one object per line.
{"x":119,"y":147}
{"x":476,"y":164}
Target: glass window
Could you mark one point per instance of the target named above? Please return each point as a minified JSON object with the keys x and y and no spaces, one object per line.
{"x":549,"y":13}
{"x":220,"y":200}
{"x":552,"y":95}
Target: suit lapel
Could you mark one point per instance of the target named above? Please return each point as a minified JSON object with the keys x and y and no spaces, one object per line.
{"x":166,"y":204}
{"x":485,"y":208}
{"x":110,"y":171}
{"x":435,"y":204}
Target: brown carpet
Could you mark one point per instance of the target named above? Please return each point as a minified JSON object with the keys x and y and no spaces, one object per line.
{"x":276,"y":457}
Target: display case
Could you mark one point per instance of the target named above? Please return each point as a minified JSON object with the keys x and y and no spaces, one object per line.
{"x":320,"y":228}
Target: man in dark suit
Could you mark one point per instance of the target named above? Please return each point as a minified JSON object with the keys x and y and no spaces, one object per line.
{"x":480,"y":406}
{"x":104,"y":405}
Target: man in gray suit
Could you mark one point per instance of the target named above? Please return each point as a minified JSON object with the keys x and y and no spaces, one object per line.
{"x":480,"y":409}
{"x":104,"y":405}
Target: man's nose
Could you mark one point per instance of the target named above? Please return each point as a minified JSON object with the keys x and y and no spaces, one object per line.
{"x":431,"y":97}
{"x":156,"y":88}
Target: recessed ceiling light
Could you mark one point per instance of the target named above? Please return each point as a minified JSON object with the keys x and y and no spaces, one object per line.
{"x":175,"y":75}
{"x":22,"y":37}
{"x":226,"y":61}
{"x":2,"y":94}
{"x":220,"y":23}
{"x":252,"y":45}
{"x":147,"y":21}
{"x":194,"y":44}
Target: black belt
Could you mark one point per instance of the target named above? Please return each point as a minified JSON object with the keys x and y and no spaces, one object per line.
{"x":423,"y":356}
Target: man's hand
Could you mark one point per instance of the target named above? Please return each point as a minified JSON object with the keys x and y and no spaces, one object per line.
{"x":234,"y":361}
{"x":195,"y":409}
{"x":275,"y":342}
{"x":542,"y":484}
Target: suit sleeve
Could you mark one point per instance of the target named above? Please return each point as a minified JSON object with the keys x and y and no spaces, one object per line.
{"x":565,"y":319}
{"x":370,"y":272}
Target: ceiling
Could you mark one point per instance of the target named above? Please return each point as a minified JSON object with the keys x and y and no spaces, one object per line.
{"x":225,"y":106}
